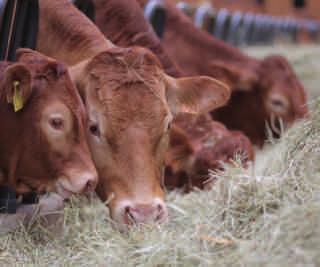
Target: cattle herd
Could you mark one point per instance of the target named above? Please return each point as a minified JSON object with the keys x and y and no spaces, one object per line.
{"x":106,"y":105}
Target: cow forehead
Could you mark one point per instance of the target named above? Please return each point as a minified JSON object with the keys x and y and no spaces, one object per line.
{"x":50,"y":79}
{"x":120,"y":66}
{"x":280,"y":77}
{"x":129,"y":84}
{"x":52,"y":89}
{"x":135,"y":104}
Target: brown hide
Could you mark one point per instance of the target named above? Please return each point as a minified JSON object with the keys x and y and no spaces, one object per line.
{"x":66,"y":34}
{"x":197,"y":145}
{"x":130,"y":102}
{"x":198,"y":53}
{"x":123,"y":23}
{"x":39,"y":153}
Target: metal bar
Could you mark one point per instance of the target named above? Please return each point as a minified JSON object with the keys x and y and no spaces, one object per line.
{"x":222,"y":24}
{"x":155,"y":13}
{"x":29,"y":39}
{"x":3,"y":4}
{"x":204,"y":17}
{"x":86,"y":7}
{"x":185,"y":8}
{"x":235,"y":28}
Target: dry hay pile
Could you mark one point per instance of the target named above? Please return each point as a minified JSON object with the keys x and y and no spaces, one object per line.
{"x":266,"y":216}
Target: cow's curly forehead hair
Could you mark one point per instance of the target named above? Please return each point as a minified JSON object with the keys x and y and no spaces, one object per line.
{"x":122,"y":66}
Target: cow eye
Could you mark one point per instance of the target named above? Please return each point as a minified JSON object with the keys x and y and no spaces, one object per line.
{"x":278,"y":104}
{"x":94,"y":130}
{"x":56,"y":123}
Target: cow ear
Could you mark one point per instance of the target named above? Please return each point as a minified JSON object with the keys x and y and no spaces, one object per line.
{"x":195,"y":95}
{"x":17,"y":84}
{"x":79,"y":77}
{"x":234,"y":75}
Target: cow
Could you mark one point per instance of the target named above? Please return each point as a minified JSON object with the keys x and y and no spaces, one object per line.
{"x":123,"y":22}
{"x":42,"y":131}
{"x":130,"y":103}
{"x":263,"y":91}
{"x":199,"y":144}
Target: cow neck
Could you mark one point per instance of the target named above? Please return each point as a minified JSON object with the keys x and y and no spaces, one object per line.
{"x":68,"y":35}
{"x":123,"y":22}
{"x":181,"y":31}
{"x":9,"y":199}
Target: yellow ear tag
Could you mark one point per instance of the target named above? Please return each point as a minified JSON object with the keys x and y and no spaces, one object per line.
{"x":17,"y":97}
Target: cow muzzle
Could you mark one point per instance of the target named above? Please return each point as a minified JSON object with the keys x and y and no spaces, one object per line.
{"x":128,"y":213}
{"x":76,"y":184}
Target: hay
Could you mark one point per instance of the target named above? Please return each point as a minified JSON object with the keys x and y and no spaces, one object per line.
{"x":268,"y":215}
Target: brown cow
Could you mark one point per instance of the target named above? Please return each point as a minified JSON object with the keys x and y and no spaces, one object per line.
{"x":198,"y":144}
{"x":123,"y":22}
{"x":130,"y":103}
{"x":42,"y":130}
{"x":263,"y":90}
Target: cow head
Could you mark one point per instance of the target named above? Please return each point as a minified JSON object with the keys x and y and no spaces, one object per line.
{"x":283,"y":97}
{"x":268,"y":93}
{"x":199,"y":144}
{"x":131,"y":103}
{"x":43,"y":130}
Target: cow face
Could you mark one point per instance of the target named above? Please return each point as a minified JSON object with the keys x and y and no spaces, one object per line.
{"x":268,"y":93}
{"x":284,"y":98}
{"x":131,"y":103}
{"x":46,"y":131}
{"x":199,"y":144}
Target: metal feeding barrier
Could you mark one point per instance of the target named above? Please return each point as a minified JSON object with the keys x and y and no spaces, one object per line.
{"x":2,"y":8}
{"x":204,"y":17}
{"x":240,"y":28}
{"x":186,"y":8}
{"x":155,"y":13}
{"x":236,"y":28}
{"x":18,"y":26}
{"x":222,"y":25}
{"x":246,"y":29}
{"x":86,"y":7}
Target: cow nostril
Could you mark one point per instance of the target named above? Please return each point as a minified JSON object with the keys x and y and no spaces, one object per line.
{"x":143,"y":213}
{"x":126,"y":209}
{"x":90,"y":185}
{"x":159,"y":207}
